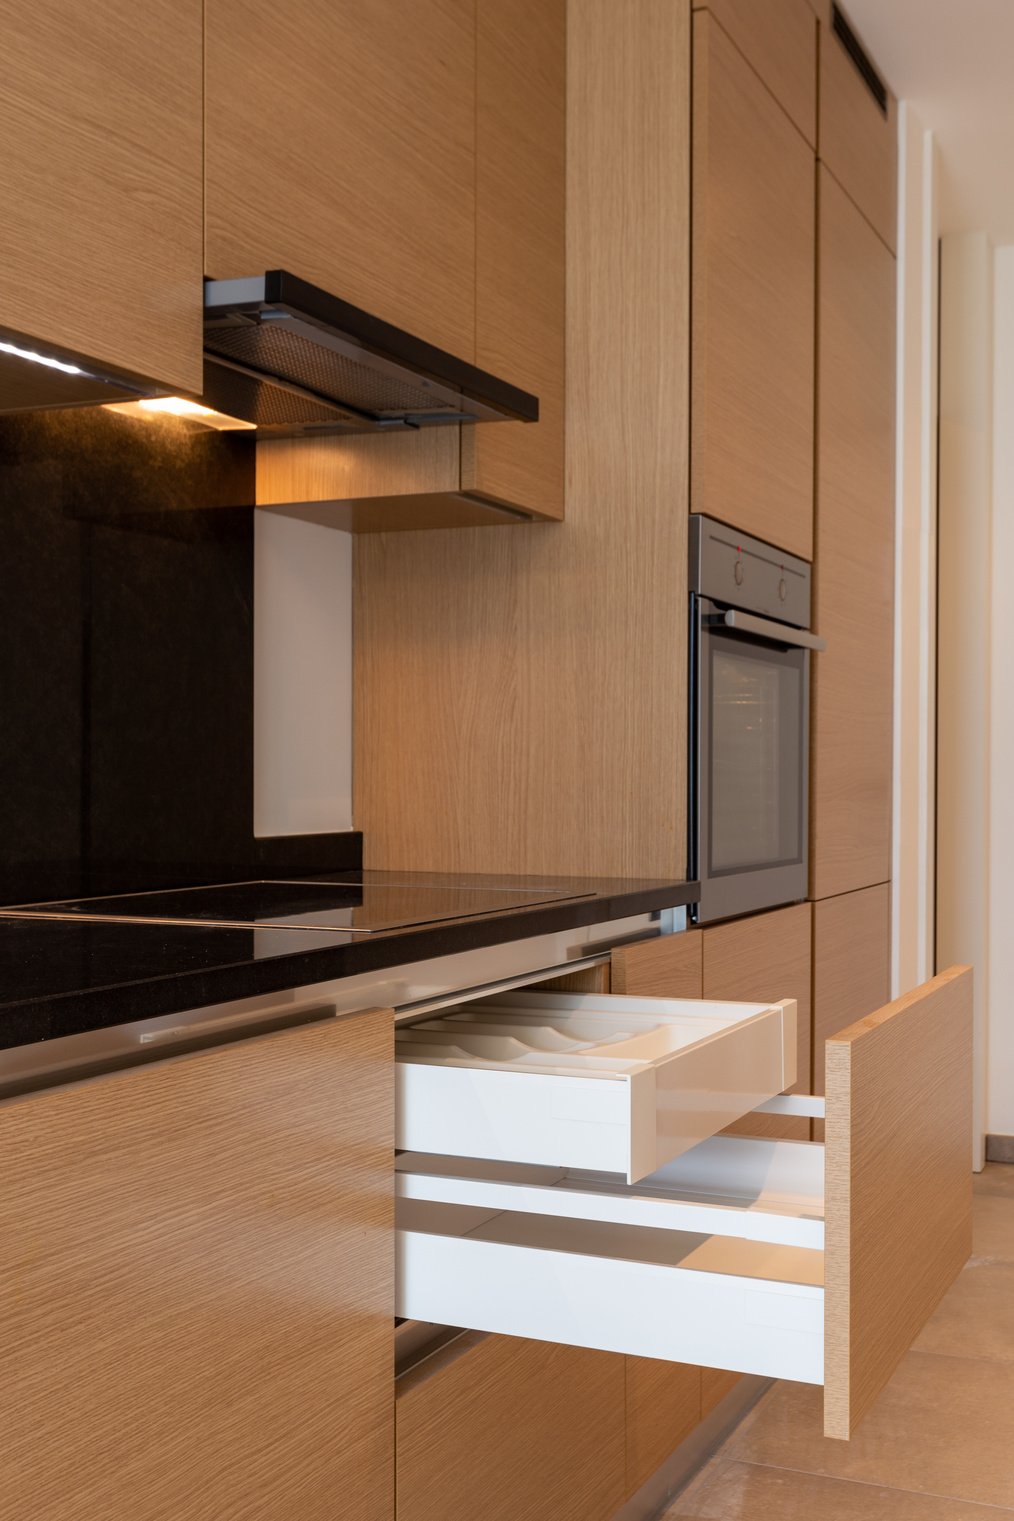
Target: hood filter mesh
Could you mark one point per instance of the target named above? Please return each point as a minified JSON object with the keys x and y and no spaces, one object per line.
{"x":273,"y":349}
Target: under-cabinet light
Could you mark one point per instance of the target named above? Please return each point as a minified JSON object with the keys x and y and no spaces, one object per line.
{"x":178,"y":406}
{"x":46,"y":359}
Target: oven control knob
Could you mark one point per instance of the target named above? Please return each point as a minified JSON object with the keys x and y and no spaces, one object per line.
{"x":783,"y":590}
{"x":738,"y":572}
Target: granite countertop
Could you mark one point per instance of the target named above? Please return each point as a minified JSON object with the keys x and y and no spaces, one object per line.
{"x":66,"y":976}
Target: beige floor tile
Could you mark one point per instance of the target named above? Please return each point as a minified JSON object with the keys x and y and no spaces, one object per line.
{"x":976,"y":1316}
{"x":943,"y":1426}
{"x":727,"y":1491}
{"x":995,"y":1178}
{"x":993,"y":1226}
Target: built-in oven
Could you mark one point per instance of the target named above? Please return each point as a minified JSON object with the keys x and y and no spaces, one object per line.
{"x":750,"y":648}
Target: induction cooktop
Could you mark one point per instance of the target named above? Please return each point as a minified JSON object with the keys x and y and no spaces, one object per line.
{"x":359,"y":907}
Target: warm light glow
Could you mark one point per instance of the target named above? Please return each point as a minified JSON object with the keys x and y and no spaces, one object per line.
{"x":178,"y":406}
{"x":52,"y":364}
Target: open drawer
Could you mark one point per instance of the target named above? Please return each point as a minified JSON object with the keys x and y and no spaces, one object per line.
{"x":587,"y":1080}
{"x":781,"y":1258}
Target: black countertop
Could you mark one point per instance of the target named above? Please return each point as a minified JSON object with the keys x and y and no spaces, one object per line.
{"x":65,"y":976}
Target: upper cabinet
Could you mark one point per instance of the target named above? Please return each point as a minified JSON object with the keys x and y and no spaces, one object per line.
{"x":409,"y":158}
{"x":341,"y":146}
{"x":100,"y":240}
{"x":858,"y":128}
{"x":753,"y":292}
{"x":520,"y":247}
{"x":779,"y":40}
{"x":850,"y":838}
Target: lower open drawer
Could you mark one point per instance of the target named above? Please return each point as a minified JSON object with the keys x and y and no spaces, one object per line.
{"x":787,"y":1259}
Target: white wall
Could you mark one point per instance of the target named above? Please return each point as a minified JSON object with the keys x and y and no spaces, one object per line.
{"x":964,"y":632}
{"x":302,"y":676}
{"x":914,"y":844}
{"x":1000,"y":1028}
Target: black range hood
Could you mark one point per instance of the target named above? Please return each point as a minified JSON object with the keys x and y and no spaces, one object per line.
{"x":292,"y":359}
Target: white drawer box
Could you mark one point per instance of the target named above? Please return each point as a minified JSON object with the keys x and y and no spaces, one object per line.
{"x":593,"y":1081}
{"x":787,"y":1259}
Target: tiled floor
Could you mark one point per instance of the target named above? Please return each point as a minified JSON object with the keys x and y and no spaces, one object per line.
{"x":939,"y":1445}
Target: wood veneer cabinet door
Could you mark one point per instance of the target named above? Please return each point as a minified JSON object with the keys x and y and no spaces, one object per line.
{"x":857,"y":139}
{"x":663,"y":1407}
{"x":520,"y":246}
{"x":197,"y":1266}
{"x":340,"y":144}
{"x":669,"y":967}
{"x":851,"y":964}
{"x":766,"y":956}
{"x":850,"y":833}
{"x":511,"y":1430}
{"x":779,"y":40}
{"x":101,"y":183}
{"x":752,"y":356}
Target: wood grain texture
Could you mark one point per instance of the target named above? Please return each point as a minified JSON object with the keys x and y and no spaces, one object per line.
{"x":851,"y":964}
{"x":898,"y":1185}
{"x":197,"y":1259}
{"x":368,"y":483}
{"x":511,"y":1430}
{"x":520,"y":246}
{"x":766,"y":956}
{"x":335,"y":469}
{"x":101,"y":183}
{"x":779,"y":40}
{"x":340,"y":144}
{"x":594,"y":979}
{"x":856,"y":141}
{"x":850,"y":833}
{"x":669,"y":967}
{"x":663,"y":1407}
{"x":716,"y":1383}
{"x":536,"y":678}
{"x":753,"y":302}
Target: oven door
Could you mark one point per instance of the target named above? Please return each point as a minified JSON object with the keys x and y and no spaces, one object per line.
{"x":749,"y":781}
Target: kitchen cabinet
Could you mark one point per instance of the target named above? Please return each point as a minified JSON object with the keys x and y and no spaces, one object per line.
{"x":779,"y":41}
{"x":857,"y":133}
{"x":670,"y":966}
{"x":520,"y":254}
{"x":101,"y":183}
{"x":511,"y":1430}
{"x":852,"y":710}
{"x":752,"y":356}
{"x":420,"y":176}
{"x":848,"y":1246}
{"x":198,"y":1285}
{"x":766,"y":956}
{"x":851,"y":965}
{"x":531,"y":675}
{"x":663,"y":1407}
{"x":365,"y":182}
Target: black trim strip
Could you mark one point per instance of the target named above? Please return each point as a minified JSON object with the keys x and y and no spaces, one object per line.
{"x":859,"y":56}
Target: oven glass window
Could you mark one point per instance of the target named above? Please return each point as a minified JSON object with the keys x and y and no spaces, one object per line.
{"x":756,"y":755}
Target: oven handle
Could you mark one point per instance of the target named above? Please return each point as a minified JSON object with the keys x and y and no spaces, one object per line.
{"x":767,"y":628}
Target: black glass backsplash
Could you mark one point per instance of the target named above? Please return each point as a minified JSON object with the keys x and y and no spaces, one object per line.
{"x":126,"y":660}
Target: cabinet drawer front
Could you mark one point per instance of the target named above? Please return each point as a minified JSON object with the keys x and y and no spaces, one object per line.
{"x":734,"y":1255}
{"x":615,"y":1084}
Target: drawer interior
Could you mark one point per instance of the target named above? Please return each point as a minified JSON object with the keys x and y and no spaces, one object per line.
{"x":702,"y":1262}
{"x":579,"y":1035}
{"x":587,"y":1080}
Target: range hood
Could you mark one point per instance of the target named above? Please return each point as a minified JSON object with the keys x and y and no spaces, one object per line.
{"x":290,"y":358}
